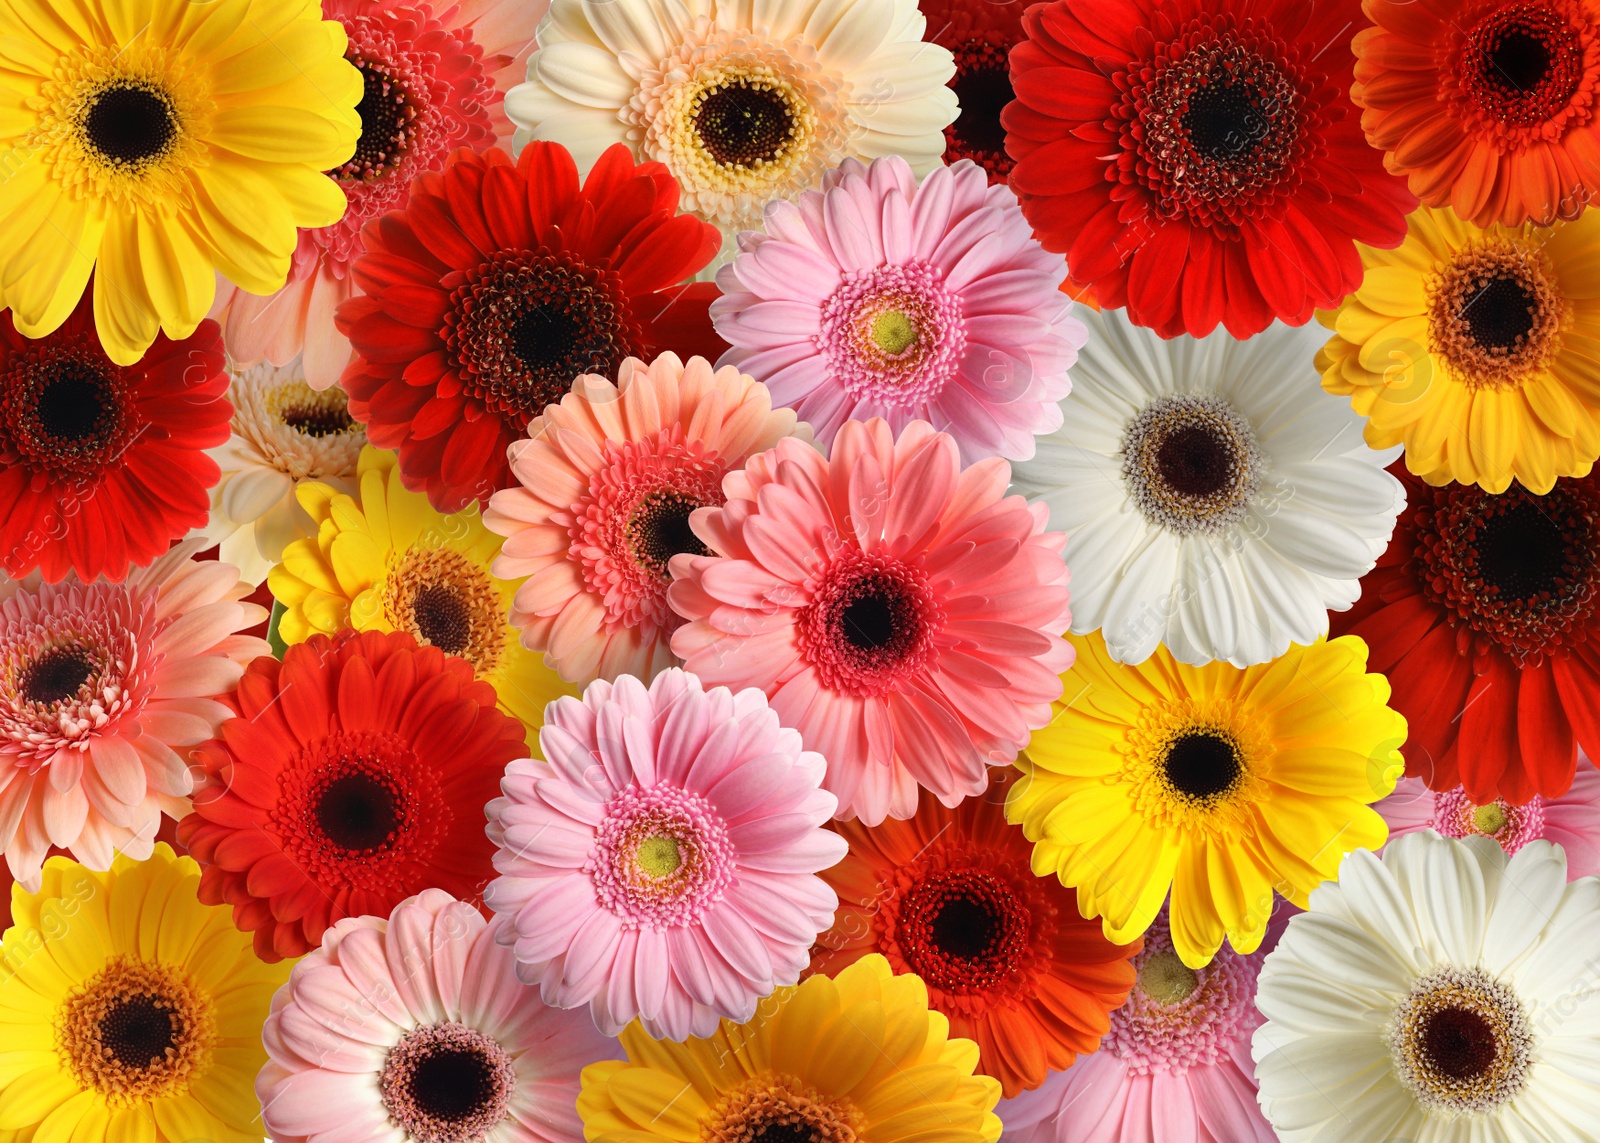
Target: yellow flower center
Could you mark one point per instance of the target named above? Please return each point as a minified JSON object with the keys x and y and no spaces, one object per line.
{"x":136,"y":1031}
{"x":658,"y":855}
{"x":778,"y":1108}
{"x":894,"y":332}
{"x":1490,"y":819}
{"x":446,"y":601}
{"x":1196,"y":765}
{"x":1164,"y":978}
{"x":1496,"y":314}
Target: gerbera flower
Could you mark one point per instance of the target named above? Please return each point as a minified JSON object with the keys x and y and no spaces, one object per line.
{"x":155,"y":142}
{"x":1198,"y":160}
{"x":142,"y":1018}
{"x":662,"y":863}
{"x":1174,"y":1065}
{"x":1485,"y":614}
{"x":354,"y":776}
{"x":413,"y":1026}
{"x":980,"y":36}
{"x":1006,"y":956}
{"x":742,"y":108}
{"x":1214,"y":501}
{"x":1445,"y":992}
{"x":496,"y":286}
{"x":856,"y":1056}
{"x":103,"y":689}
{"x":605,"y":485}
{"x":1485,"y":105}
{"x":432,"y":75}
{"x":876,"y":297}
{"x":101,"y":464}
{"x":1572,"y":821}
{"x":285,"y":433}
{"x":383,"y":560}
{"x":902,"y":613}
{"x":1220,"y":784}
{"x":1479,"y":350}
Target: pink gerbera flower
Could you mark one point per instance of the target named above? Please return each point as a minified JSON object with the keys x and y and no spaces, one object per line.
{"x":662,"y":864}
{"x":434,"y":75}
{"x":607,"y":480}
{"x":903,"y":614}
{"x":874,"y":297}
{"x":103,"y":687}
{"x":1175,"y":1065}
{"x":1572,"y":821}
{"x":415,"y":1027}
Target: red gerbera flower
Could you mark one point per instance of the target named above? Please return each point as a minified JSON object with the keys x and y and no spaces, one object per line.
{"x":980,"y":34}
{"x":103,"y":465}
{"x":1199,"y":160}
{"x":498,"y":285}
{"x":1485,"y":614}
{"x":355,"y":777}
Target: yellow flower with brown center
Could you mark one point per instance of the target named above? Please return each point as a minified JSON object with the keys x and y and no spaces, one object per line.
{"x":385,"y":560}
{"x":155,"y":142}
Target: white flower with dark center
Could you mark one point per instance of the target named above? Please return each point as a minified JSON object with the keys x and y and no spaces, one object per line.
{"x":1215,"y":498}
{"x":284,"y":432}
{"x":1442,"y":993}
{"x":743,"y":103}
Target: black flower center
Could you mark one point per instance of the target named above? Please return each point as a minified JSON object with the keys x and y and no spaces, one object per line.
{"x":57,"y":674}
{"x":982,"y":92}
{"x":965,"y":927}
{"x":1202,"y":764}
{"x":358,"y":813}
{"x":1224,"y":121}
{"x":1500,"y":313}
{"x":1458,"y":1043}
{"x":139,"y":1030}
{"x":453,"y":1084}
{"x":130,"y":125}
{"x":1522,"y":552}
{"x":318,"y":420}
{"x":387,"y":122}
{"x":660,"y":530}
{"x":784,"y":1133}
{"x":544,"y":336}
{"x":1519,"y":62}
{"x":74,"y":402}
{"x":743,"y":125}
{"x":1194,"y":460}
{"x":870,"y":621}
{"x":443,"y":618}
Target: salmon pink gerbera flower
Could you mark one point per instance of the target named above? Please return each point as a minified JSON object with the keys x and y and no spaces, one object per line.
{"x":903,"y":614}
{"x":662,"y":863}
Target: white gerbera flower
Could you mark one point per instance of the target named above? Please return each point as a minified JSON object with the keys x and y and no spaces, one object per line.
{"x":284,"y":433}
{"x":1443,"y":993}
{"x":745,"y":101}
{"x":1214,"y":497}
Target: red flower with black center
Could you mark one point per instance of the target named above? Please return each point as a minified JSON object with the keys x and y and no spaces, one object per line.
{"x":1199,"y":161}
{"x":949,"y":895}
{"x":104,"y":465}
{"x":355,"y":777}
{"x":980,"y":35}
{"x":498,"y":285}
{"x":1485,"y":614}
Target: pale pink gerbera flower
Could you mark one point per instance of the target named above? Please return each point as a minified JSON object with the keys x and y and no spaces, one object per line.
{"x":875,"y":297}
{"x":662,"y":863}
{"x":1572,"y":821}
{"x":903,"y":614}
{"x":606,"y":483}
{"x":434,"y":74}
{"x":1175,"y":1066}
{"x":415,"y":1027}
{"x":103,"y":687}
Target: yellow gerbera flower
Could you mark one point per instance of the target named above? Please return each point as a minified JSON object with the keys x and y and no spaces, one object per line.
{"x":854,"y":1057}
{"x":156,"y":141}
{"x":132,"y":1012}
{"x":1219,"y":783}
{"x":388,"y":562}
{"x":1478,"y":349}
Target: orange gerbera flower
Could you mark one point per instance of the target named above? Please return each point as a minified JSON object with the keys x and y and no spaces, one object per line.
{"x":949,"y":895}
{"x":1485,"y":106}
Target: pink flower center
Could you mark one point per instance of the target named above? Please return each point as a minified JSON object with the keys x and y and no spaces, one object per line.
{"x":1455,"y":815}
{"x":662,"y":857}
{"x":635,"y":518}
{"x":446,"y":1083}
{"x":870,"y":624}
{"x":1177,"y":1017}
{"x":893,"y":334}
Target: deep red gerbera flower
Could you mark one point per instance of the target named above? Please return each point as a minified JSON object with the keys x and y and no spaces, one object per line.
{"x":498,"y":285}
{"x":980,"y":34}
{"x":104,"y":465}
{"x":1485,"y":614}
{"x":355,"y":776}
{"x":1199,"y":160}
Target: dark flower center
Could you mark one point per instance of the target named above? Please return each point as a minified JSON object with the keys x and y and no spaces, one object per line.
{"x":57,"y":674}
{"x":388,"y":122}
{"x":446,"y":1083}
{"x":65,"y":411}
{"x":785,"y":1133}
{"x":544,"y":336}
{"x":871,"y":621}
{"x":130,"y":125}
{"x":982,"y":92}
{"x":73,"y":404}
{"x":1191,"y":463}
{"x":1203,"y":765}
{"x":358,"y":812}
{"x":1522,"y":553}
{"x":1519,"y":62}
{"x":1224,"y":121}
{"x":1521,"y":65}
{"x":453,"y":1084}
{"x":443,"y":618}
{"x":963,"y":929}
{"x":318,"y":420}
{"x":1500,"y":314}
{"x":1196,"y":461}
{"x":659,"y":530}
{"x":743,"y":124}
{"x":1458,"y":1043}
{"x":139,"y":1030}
